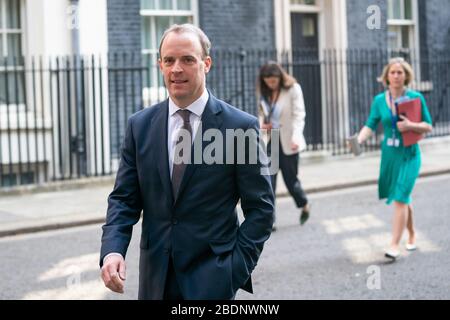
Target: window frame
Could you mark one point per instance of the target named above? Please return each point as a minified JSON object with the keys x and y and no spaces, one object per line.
{"x":19,"y":107}
{"x":412,"y":23}
{"x":305,"y":8}
{"x":413,"y":33}
{"x":5,"y":31}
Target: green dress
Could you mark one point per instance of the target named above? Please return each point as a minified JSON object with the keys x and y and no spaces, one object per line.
{"x":400,"y":165}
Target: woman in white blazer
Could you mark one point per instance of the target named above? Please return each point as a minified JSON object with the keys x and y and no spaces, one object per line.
{"x":281,"y":106}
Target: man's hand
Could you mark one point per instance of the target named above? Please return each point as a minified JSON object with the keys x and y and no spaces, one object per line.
{"x":113,"y":273}
{"x":404,"y":125}
{"x":294,"y":146}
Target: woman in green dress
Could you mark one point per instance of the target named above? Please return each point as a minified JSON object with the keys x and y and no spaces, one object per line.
{"x":400,"y":165}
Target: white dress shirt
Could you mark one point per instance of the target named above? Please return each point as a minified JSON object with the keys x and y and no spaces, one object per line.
{"x":174,"y":124}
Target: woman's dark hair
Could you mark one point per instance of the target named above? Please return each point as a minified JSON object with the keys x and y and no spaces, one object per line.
{"x":272,"y":69}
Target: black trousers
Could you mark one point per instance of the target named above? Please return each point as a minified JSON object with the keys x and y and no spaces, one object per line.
{"x":171,"y":288}
{"x":288,"y":165}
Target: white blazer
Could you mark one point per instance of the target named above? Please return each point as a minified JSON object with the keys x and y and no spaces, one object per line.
{"x":292,"y":118}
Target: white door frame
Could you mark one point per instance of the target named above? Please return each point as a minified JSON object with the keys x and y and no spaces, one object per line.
{"x":283,"y":33}
{"x":332,"y":33}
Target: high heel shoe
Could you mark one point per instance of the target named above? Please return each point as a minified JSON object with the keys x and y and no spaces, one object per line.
{"x":411,"y":243}
{"x":392,"y":254}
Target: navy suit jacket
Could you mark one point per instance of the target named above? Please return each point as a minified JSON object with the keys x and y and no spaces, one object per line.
{"x":213,"y":256}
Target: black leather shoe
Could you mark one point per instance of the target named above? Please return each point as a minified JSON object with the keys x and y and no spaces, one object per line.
{"x":304,"y":216}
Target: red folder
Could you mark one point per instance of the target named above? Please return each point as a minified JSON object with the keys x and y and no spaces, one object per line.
{"x":411,"y":109}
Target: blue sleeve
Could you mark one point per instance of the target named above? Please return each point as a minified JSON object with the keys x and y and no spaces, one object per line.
{"x":124,"y":202}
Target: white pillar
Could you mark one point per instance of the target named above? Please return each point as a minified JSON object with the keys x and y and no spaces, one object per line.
{"x":93,"y":26}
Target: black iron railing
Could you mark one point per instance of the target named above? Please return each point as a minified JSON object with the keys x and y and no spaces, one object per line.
{"x":65,"y":117}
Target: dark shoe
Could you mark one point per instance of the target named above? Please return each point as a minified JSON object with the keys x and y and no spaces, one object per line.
{"x":304,"y":216}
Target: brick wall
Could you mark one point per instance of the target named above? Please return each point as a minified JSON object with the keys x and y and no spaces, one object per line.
{"x":124,"y":45}
{"x":234,"y":23}
{"x":359,"y":35}
{"x":434,"y":17}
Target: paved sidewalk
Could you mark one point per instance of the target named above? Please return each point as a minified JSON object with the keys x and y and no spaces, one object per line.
{"x":85,"y":202}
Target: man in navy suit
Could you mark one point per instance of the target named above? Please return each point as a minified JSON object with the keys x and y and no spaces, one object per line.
{"x":192,"y":246}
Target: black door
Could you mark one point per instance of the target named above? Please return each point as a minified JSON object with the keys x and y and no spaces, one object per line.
{"x":305,"y":46}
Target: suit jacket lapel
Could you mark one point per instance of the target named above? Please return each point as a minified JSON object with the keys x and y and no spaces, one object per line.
{"x":158,"y":131}
{"x":210,"y":119}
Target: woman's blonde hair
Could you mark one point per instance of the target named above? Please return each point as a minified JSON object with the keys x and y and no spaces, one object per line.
{"x":409,"y":73}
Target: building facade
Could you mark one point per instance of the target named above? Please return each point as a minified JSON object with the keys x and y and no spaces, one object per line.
{"x":49,"y":90}
{"x":72,"y":71}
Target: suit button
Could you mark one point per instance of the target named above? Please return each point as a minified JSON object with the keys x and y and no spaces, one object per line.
{"x":174,"y":221}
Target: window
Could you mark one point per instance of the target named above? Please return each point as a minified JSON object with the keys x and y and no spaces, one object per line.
{"x":403,"y":35}
{"x":400,"y":9}
{"x":402,"y":25}
{"x":9,"y":180}
{"x":304,"y":2}
{"x":308,"y":26}
{"x":157,"y":16}
{"x":27,"y":178}
{"x":12,"y":179}
{"x":11,"y":61}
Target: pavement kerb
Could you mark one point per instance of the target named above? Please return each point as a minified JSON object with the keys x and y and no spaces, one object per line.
{"x":50,"y":226}
{"x":74,"y":221}
{"x":60,"y":186}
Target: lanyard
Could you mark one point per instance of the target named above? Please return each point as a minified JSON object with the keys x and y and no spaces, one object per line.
{"x":269,"y":108}
{"x":394,"y":118}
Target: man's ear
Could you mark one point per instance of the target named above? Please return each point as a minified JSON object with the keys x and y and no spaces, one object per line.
{"x":160,"y":63}
{"x":208,"y":63}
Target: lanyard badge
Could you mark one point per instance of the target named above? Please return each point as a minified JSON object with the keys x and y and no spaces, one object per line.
{"x":393,"y":141}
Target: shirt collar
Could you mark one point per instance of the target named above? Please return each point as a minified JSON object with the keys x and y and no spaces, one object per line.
{"x":197,"y":107}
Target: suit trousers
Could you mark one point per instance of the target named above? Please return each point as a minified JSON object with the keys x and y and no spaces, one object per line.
{"x":171,"y":288}
{"x":288,"y":165}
